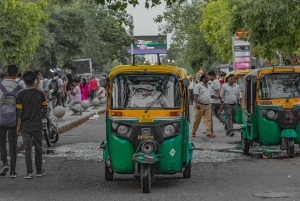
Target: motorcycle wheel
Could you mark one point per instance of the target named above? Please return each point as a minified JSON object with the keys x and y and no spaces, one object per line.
{"x":245,"y":145}
{"x":290,"y":148}
{"x":55,"y":137}
{"x":187,"y":170}
{"x":108,"y":174}
{"x":146,"y":178}
{"x":48,"y":142}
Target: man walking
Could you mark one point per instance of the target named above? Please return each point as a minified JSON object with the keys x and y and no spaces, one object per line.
{"x":202,"y":106}
{"x":230,"y":97}
{"x":8,"y":91}
{"x":93,"y":87}
{"x":58,"y":89}
{"x":191,"y":90}
{"x":215,"y":98}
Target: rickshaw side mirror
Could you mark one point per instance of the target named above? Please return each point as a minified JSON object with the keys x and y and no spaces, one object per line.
{"x":186,"y":82}
{"x":103,"y":82}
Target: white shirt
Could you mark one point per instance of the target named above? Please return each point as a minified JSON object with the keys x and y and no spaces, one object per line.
{"x":203,"y":93}
{"x":192,"y":85}
{"x":77,"y":92}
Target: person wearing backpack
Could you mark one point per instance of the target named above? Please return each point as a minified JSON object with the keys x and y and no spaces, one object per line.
{"x":8,"y":115}
{"x":58,"y":89}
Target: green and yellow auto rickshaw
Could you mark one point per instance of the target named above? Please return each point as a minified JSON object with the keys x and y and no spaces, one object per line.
{"x":239,"y":80}
{"x":271,"y":109}
{"x":147,"y":122}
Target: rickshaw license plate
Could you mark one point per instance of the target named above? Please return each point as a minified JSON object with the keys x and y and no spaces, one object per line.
{"x":146,"y":118}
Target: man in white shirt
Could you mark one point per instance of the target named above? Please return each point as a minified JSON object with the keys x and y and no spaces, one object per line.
{"x":191,"y":90}
{"x":76,"y":93}
{"x":20,"y":81}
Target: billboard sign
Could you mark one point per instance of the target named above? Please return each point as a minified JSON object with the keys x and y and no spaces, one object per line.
{"x":83,"y":66}
{"x":241,"y":50}
{"x":149,"y":45}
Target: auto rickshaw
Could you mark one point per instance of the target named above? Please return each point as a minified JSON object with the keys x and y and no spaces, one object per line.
{"x":271,"y":109}
{"x":147,"y":122}
{"x":239,"y":79}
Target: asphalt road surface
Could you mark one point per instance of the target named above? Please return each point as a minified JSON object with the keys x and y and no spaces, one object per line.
{"x":75,"y":171}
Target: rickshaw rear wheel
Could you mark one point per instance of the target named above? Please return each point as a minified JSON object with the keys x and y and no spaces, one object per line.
{"x":290,"y":148}
{"x":245,"y":145}
{"x":109,"y":175}
{"x":145,"y":178}
{"x":187,"y":170}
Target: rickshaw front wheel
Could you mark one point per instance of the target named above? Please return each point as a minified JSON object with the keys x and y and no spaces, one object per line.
{"x":145,"y":178}
{"x":187,"y":170}
{"x":109,"y":175}
{"x":290,"y":148}
{"x":245,"y":145}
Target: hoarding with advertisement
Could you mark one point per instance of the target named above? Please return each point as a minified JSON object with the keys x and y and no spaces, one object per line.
{"x":149,"y":45}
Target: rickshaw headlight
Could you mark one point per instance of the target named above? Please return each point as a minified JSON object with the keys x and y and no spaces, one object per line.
{"x":122,"y":130}
{"x":169,"y":130}
{"x":271,"y":114}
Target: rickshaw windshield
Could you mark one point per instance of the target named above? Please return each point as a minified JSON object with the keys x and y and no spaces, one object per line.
{"x":279,"y":85}
{"x":145,"y":91}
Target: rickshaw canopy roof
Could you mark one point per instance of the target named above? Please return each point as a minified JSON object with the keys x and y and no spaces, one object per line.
{"x":238,"y":72}
{"x":180,"y":72}
{"x":261,"y":71}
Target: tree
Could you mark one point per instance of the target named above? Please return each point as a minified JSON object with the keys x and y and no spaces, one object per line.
{"x":122,"y":4}
{"x":188,"y":44}
{"x":19,"y":29}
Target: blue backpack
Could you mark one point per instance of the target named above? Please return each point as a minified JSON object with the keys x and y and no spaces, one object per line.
{"x":8,"y":110}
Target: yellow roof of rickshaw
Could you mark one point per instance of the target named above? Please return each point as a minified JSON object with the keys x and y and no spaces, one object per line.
{"x":151,"y":68}
{"x":239,"y":72}
{"x":259,"y":71}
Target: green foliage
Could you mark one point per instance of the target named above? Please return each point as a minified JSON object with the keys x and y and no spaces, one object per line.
{"x":188,"y":49}
{"x":19,"y":29}
{"x":122,"y":4}
{"x":216,"y":26}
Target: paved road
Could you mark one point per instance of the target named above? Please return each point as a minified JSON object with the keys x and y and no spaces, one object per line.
{"x":75,"y":172}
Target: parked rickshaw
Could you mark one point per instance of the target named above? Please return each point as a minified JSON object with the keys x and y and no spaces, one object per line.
{"x":147,"y":122}
{"x":271,"y":111}
{"x":239,"y":79}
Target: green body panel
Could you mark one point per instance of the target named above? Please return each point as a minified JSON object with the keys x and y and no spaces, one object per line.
{"x":288,"y":133}
{"x":119,"y":151}
{"x":120,"y":154}
{"x":297,"y":139}
{"x":239,"y":114}
{"x":167,"y":162}
{"x":266,"y":131}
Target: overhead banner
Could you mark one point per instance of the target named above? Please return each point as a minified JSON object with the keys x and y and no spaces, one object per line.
{"x":149,"y":45}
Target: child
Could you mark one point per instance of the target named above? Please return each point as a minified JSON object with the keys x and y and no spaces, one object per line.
{"x":30,"y":104}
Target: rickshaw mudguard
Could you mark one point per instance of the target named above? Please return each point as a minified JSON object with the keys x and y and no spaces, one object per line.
{"x":288,"y":133}
{"x":297,"y":139}
{"x":104,"y":153}
{"x":269,"y":132}
{"x":150,"y":158}
{"x":120,"y":153}
{"x":170,"y":151}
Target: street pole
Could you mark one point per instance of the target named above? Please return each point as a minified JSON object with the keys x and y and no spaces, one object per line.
{"x":132,"y":56}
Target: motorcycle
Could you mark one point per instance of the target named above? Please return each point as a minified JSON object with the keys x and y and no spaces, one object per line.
{"x":50,"y":126}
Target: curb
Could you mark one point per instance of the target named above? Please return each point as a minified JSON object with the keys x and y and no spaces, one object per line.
{"x":63,"y":128}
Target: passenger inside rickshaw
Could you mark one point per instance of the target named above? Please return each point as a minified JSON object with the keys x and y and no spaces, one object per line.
{"x":155,"y":91}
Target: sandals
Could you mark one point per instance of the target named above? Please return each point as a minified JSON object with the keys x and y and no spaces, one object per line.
{"x":210,"y":135}
{"x":193,"y":134}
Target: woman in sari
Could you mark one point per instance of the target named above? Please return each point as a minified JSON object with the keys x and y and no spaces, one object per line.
{"x":84,"y":88}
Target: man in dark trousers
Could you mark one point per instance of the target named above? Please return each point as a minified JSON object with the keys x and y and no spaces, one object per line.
{"x":31,"y":107}
{"x":230,"y":97}
{"x":10,"y":85}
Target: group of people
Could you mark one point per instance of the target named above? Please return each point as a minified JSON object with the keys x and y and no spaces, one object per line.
{"x":210,"y":98}
{"x":23,"y":104}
